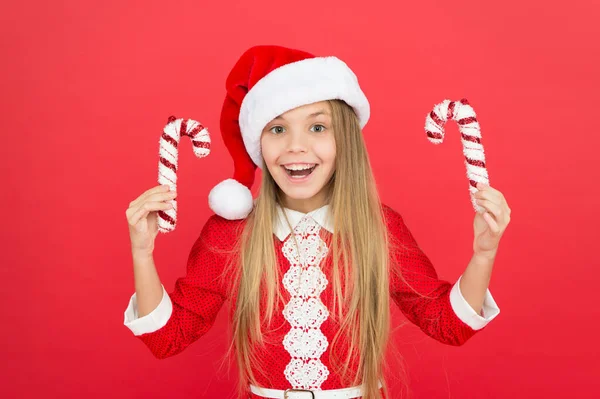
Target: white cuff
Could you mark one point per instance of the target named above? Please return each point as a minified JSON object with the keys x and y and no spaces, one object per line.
{"x":153,"y":320}
{"x":467,"y":314}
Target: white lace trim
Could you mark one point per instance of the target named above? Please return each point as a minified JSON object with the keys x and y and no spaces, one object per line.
{"x":305,"y":344}
{"x":306,"y":374}
{"x":305,"y":312}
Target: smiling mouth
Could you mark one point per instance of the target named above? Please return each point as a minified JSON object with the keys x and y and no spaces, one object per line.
{"x":298,"y":174}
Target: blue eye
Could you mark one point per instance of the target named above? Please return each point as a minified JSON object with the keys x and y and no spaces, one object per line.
{"x":321,"y":131}
{"x":275,"y":127}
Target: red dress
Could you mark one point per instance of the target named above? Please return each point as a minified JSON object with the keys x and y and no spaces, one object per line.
{"x":297,"y":341}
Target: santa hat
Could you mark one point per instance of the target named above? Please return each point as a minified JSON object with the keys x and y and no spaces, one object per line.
{"x":266,"y":82}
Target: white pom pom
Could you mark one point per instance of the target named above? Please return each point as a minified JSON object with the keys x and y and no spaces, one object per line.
{"x":231,"y":199}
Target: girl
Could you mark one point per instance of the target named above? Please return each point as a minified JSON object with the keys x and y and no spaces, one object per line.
{"x":309,"y":267}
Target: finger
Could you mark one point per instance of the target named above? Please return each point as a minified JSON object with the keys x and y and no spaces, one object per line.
{"x":164,"y":197}
{"x":501,"y":220}
{"x":491,"y":222}
{"x":490,"y":207}
{"x":143,"y":211}
{"x":487,"y":188}
{"x":160,"y":196}
{"x":146,"y":208}
{"x":164,"y":188}
{"x":487,"y":195}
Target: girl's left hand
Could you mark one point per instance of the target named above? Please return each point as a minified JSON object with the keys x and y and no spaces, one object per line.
{"x":491,"y":224}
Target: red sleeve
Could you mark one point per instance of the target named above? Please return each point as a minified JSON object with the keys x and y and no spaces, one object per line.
{"x":199,"y":295}
{"x":416,"y":289}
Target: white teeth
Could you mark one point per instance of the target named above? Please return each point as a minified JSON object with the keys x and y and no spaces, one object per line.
{"x":299,"y":166}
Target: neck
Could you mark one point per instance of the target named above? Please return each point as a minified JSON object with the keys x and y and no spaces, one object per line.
{"x":305,"y":205}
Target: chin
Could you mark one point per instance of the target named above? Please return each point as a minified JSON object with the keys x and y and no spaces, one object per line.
{"x":300,"y":191}
{"x":300,"y":194}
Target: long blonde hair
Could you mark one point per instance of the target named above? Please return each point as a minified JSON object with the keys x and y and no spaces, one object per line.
{"x":360,"y":253}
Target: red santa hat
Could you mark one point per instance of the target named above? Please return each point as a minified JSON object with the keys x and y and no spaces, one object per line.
{"x":266,"y":82}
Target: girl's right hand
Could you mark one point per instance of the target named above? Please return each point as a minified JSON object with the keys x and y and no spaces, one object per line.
{"x":143,"y":219}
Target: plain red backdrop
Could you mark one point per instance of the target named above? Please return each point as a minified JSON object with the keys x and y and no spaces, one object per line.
{"x":88,"y":86}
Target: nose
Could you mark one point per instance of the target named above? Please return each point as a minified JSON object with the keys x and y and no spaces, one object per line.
{"x":297,"y":141}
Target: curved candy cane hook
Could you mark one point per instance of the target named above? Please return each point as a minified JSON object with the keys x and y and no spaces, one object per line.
{"x":470,"y":131}
{"x":168,"y":156}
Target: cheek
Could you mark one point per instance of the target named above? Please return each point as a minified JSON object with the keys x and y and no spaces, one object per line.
{"x":269,"y":152}
{"x":326,"y":151}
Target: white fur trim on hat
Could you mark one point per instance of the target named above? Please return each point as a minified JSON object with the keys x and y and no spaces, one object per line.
{"x":231,"y":199}
{"x":292,"y":85}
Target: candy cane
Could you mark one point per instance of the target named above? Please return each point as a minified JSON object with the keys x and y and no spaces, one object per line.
{"x":168,"y":155}
{"x":465,"y":117}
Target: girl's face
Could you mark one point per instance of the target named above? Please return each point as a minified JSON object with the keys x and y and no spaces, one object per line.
{"x":298,"y":148}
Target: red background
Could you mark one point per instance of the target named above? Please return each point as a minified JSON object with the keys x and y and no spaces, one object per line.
{"x":88,"y":86}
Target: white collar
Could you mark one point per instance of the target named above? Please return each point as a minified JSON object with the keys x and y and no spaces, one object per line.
{"x":281,"y":228}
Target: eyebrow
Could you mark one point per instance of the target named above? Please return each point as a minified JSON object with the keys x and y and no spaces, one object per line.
{"x":320,"y":112}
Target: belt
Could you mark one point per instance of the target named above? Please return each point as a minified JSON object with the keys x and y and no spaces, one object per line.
{"x":292,"y":393}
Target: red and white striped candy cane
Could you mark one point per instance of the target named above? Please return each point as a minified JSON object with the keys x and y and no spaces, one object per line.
{"x":470,"y":132}
{"x":168,"y":155}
